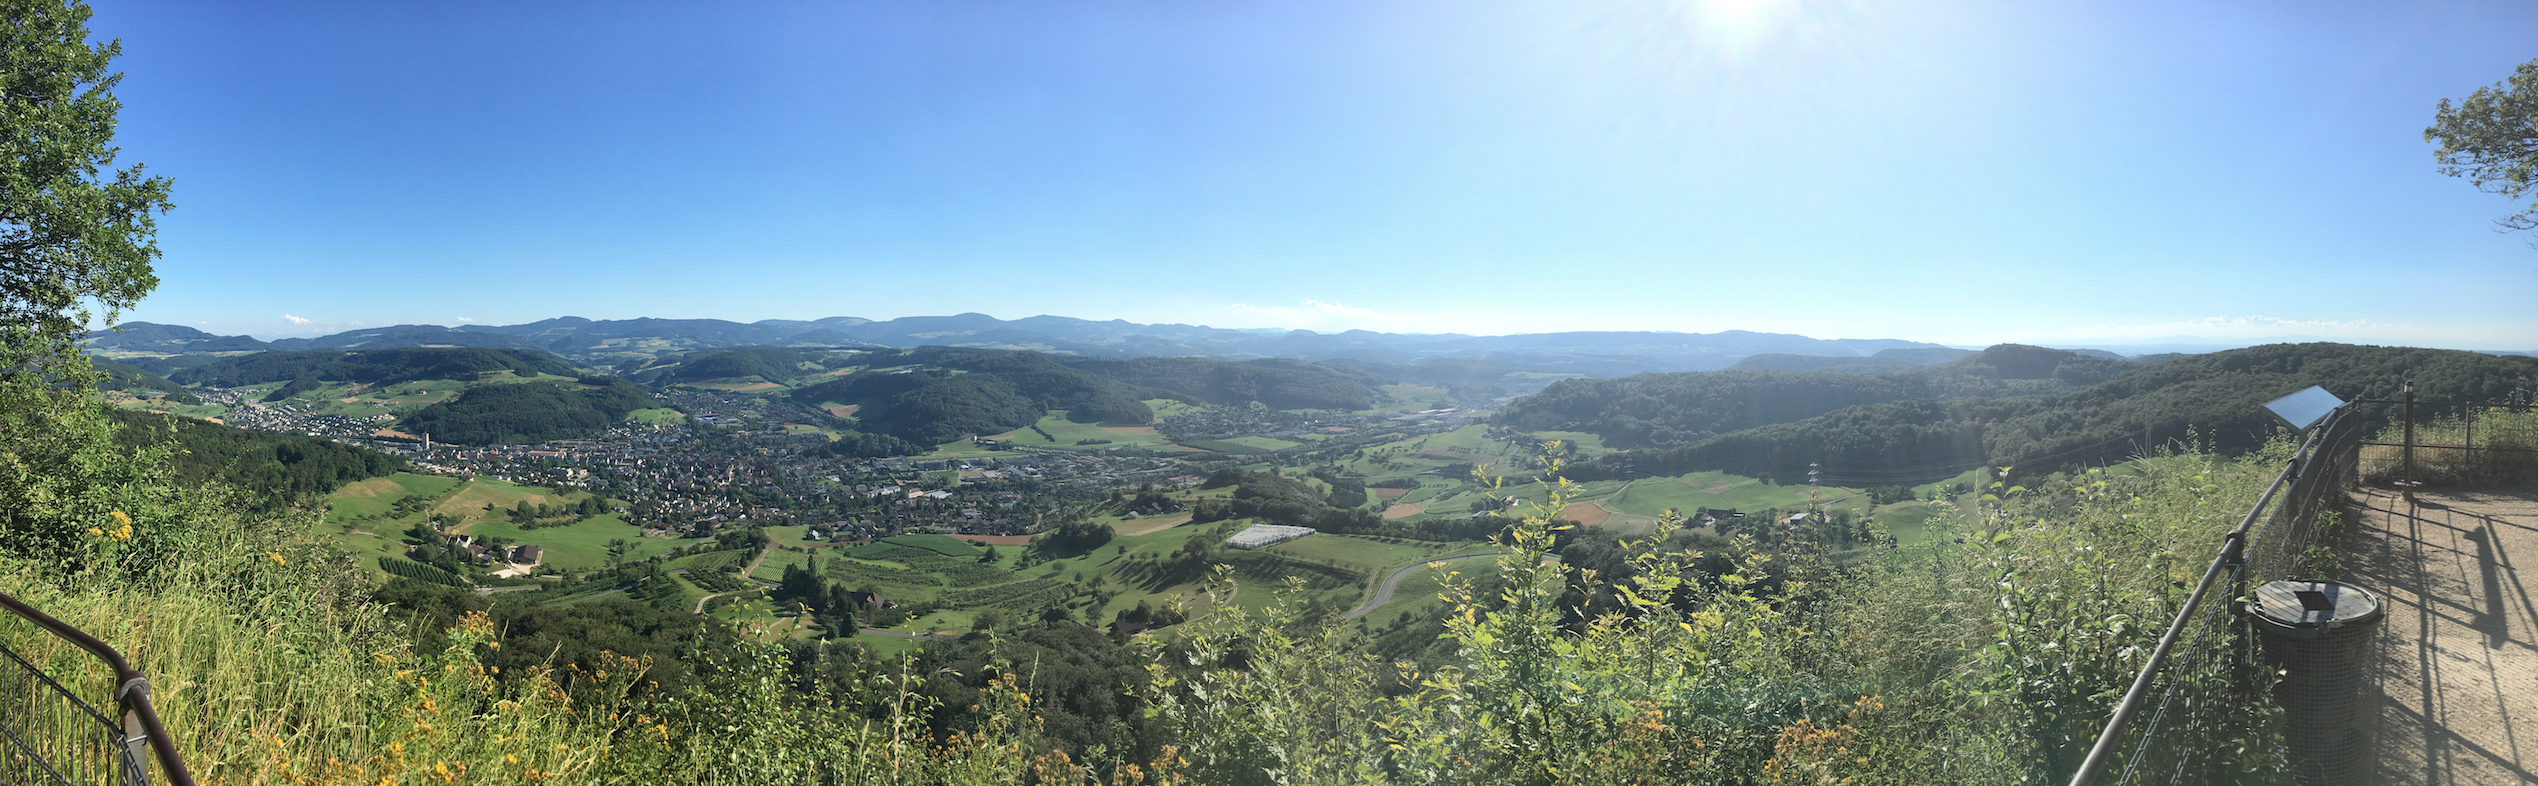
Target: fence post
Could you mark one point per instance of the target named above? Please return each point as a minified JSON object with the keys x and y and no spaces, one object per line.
{"x":2406,"y":472}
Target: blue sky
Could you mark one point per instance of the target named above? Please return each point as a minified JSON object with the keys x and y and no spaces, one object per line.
{"x":1965,"y":172}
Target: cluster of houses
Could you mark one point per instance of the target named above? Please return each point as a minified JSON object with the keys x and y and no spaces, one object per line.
{"x":527,"y":555}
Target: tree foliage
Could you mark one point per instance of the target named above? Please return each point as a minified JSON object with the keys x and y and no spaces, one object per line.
{"x":2491,"y":138}
{"x":1669,"y":409}
{"x":2216,"y":400}
{"x":274,"y":469}
{"x":74,"y":232}
{"x":528,"y":412}
{"x":1279,"y":383}
{"x":372,"y":366}
{"x":773,"y":364}
{"x":73,"y":228}
{"x":934,"y":395}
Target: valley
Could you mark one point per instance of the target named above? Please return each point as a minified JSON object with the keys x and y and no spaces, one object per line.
{"x":1102,"y":487}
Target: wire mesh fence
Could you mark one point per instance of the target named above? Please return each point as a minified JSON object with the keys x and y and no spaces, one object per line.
{"x":52,"y":733}
{"x":2217,"y":685}
{"x":2213,"y":685}
{"x":2451,"y":442}
{"x":52,"y":737}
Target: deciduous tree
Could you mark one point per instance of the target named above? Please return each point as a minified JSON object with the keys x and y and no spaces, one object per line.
{"x":76,"y":236}
{"x":2491,"y":138}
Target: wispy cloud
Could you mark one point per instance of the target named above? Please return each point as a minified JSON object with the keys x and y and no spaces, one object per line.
{"x":295,"y":320}
{"x":465,"y":319}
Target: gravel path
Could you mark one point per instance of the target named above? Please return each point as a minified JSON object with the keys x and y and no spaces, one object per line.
{"x":2458,"y":671}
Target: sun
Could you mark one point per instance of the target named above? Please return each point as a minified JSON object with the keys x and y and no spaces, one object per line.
{"x":1732,"y":29}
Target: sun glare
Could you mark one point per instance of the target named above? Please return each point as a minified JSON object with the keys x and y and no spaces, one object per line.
{"x":1732,"y":29}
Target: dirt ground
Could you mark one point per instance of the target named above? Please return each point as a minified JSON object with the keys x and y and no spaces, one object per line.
{"x":2458,"y":670}
{"x":1151,"y":524}
{"x":996,"y":540}
{"x":1403,"y":511}
{"x":1586,"y":513}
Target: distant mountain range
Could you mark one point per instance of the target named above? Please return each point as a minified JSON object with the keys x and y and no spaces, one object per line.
{"x":612,"y":342}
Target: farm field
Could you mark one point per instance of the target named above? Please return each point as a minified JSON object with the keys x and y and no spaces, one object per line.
{"x":1689,"y":493}
{"x":1264,"y":443}
{"x":965,"y":449}
{"x":658,"y":416}
{"x":1164,"y":407}
{"x":1065,"y":433}
{"x":1368,"y":553}
{"x":1431,"y":453}
{"x":1413,"y":398}
{"x":582,"y":546}
{"x":361,"y":517}
{"x":1577,"y":443}
{"x":161,"y":405}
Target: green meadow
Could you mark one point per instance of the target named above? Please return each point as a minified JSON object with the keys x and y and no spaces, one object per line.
{"x":362,"y":517}
{"x":1063,"y":433}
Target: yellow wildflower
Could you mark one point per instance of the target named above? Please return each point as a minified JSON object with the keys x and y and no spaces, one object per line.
{"x":277,"y":558}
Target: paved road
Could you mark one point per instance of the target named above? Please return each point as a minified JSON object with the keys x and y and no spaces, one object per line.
{"x":1383,"y":594}
{"x":492,"y":590}
{"x":2458,"y":665}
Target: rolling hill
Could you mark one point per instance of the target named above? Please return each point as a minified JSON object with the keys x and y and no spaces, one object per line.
{"x":934,"y":395}
{"x":529,"y":412}
{"x":372,"y":366}
{"x":610,"y":342}
{"x":1649,"y":410}
{"x":2215,"y":399}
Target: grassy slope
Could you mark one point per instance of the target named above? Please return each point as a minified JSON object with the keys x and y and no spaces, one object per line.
{"x":582,"y":546}
{"x":1066,"y":433}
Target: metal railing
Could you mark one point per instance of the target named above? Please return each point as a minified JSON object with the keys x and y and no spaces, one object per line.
{"x":49,"y":735}
{"x":2279,"y":534}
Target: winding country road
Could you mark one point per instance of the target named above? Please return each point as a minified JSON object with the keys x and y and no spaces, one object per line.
{"x":746,"y":575}
{"x":1383,"y":594}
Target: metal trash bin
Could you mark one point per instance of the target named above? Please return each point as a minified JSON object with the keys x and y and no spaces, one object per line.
{"x":2320,"y":633}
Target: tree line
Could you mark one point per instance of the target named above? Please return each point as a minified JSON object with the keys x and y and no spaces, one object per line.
{"x":528,"y":412}
{"x":370,"y":366}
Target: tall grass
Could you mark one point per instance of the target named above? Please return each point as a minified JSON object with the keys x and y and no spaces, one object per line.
{"x":269,"y":666}
{"x":2484,"y":445}
{"x":1991,"y":653}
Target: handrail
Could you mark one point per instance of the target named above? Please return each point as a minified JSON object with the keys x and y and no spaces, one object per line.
{"x":132,"y":691}
{"x":2233,"y":554}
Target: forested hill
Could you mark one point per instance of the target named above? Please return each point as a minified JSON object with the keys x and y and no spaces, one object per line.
{"x":1649,"y":410}
{"x":274,"y":469}
{"x":523,"y":413}
{"x":371,"y":366}
{"x":1280,"y":384}
{"x":2217,"y":398}
{"x":131,"y":379}
{"x":770,"y":364}
{"x":934,"y":395}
